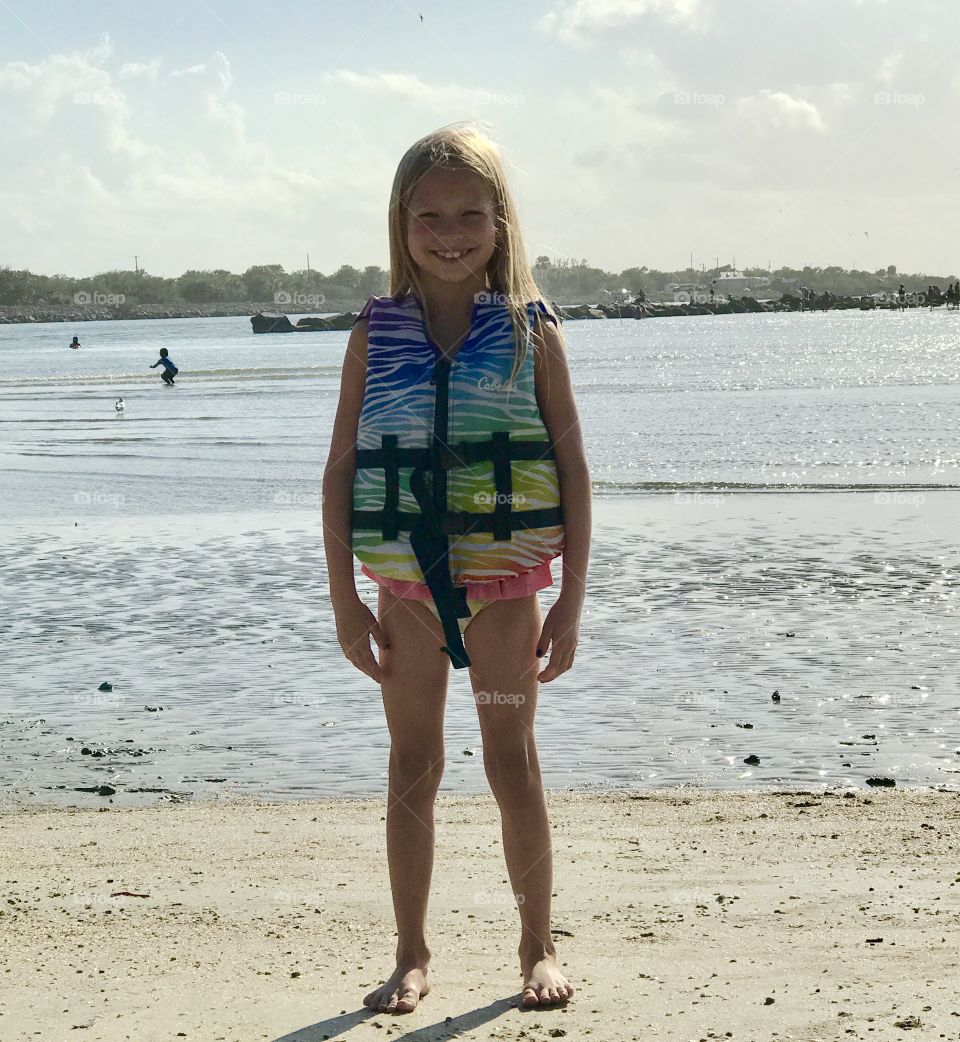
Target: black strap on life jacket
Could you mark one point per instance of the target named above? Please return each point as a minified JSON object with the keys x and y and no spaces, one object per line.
{"x":431,"y":528}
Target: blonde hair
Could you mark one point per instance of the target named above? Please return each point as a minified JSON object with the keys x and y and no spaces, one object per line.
{"x":458,"y":147}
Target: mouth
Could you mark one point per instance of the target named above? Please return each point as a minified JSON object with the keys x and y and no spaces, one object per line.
{"x":452,"y":256}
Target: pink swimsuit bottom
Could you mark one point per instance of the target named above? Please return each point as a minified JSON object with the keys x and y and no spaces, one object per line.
{"x":479,"y":595}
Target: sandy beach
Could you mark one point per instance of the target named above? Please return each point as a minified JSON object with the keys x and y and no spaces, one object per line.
{"x":679,"y":915}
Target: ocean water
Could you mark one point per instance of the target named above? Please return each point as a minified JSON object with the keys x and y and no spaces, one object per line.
{"x":775,"y":509}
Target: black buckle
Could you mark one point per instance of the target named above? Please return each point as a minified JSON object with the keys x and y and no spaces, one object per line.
{"x":442,"y":458}
{"x":453,"y":522}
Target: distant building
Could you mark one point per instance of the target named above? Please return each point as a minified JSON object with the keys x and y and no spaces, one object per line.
{"x":726,"y":284}
{"x":685,"y":292}
{"x":735,"y":283}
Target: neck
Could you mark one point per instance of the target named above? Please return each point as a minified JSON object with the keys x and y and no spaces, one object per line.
{"x":452,"y":300}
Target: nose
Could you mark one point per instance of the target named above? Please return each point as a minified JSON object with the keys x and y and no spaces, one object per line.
{"x":448,"y":232}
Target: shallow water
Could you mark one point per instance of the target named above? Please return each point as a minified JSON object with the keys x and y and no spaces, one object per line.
{"x":176,"y":552}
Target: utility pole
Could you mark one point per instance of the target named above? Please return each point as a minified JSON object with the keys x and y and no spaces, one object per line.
{"x":308,"y":262}
{"x":136,"y":264}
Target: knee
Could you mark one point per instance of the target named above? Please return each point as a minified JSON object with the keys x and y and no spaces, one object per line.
{"x":415,"y":774}
{"x":512,"y":768}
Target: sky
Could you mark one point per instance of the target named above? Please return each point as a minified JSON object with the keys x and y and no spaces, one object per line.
{"x":199,"y":134}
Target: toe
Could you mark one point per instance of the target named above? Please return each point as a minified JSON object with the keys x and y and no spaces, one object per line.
{"x":407,"y":1001}
{"x":530,"y":997}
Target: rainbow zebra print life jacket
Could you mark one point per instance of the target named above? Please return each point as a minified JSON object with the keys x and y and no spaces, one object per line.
{"x":456,"y":479}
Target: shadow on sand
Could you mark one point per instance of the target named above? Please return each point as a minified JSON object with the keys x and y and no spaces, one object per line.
{"x":336,"y":1026}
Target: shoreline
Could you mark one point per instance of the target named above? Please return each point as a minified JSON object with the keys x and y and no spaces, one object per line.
{"x":677,"y":915}
{"x":45,"y":314}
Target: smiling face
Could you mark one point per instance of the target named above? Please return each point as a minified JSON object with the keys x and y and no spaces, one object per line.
{"x":450,"y":225}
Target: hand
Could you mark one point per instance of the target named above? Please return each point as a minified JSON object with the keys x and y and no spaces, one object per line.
{"x":355,"y":625}
{"x":561,"y":633}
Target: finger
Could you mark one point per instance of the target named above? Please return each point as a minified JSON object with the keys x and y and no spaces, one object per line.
{"x":361,"y":656}
{"x":543,"y":641}
{"x":378,"y":635}
{"x":560,"y":662}
{"x":368,"y":663}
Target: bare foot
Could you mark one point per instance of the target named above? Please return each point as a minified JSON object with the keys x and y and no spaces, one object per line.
{"x":402,"y":992}
{"x":543,"y":983}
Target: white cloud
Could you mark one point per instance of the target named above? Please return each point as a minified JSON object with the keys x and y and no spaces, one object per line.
{"x":408,"y":87}
{"x":685,"y":117}
{"x":218,"y":68}
{"x":149,"y":70}
{"x":843,"y":93}
{"x":774,"y":108}
{"x":160,"y":163}
{"x":584,"y":18}
{"x":889,"y":67}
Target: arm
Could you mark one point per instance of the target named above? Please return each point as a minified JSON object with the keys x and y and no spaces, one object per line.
{"x":155,"y":364}
{"x":561,"y":628}
{"x":559,"y":412}
{"x":341,"y":466}
{"x":355,"y":621}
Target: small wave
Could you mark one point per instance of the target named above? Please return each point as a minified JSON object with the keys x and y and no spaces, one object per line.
{"x":191,"y":376}
{"x":627,"y":487}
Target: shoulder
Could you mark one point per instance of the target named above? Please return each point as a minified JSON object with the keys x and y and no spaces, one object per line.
{"x":365,"y":311}
{"x":544,"y":313}
{"x":546,"y":328}
{"x":375,"y":303}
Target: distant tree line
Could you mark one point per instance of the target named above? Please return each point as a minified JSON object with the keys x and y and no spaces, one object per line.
{"x":564,"y":281}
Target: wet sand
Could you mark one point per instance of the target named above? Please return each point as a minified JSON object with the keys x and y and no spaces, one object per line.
{"x":216,"y":634}
{"x":678,"y":915}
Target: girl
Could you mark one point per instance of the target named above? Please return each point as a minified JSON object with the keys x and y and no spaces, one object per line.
{"x":455,"y":443}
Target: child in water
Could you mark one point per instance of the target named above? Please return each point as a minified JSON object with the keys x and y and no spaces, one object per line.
{"x":455,"y":391}
{"x":169,"y":369}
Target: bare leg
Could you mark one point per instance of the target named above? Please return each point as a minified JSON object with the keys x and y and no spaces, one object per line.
{"x":501,"y":643}
{"x":414,"y":692}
